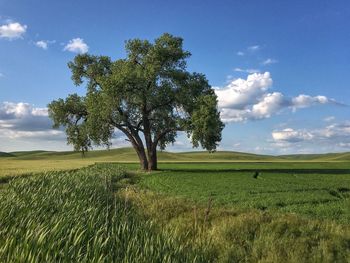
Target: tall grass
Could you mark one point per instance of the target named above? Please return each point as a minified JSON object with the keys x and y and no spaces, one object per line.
{"x":74,"y":216}
{"x":241,"y":235}
{"x":95,"y":214}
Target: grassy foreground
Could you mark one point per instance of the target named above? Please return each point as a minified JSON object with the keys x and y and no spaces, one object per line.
{"x":76,"y":217}
{"x":103,"y":214}
{"x":246,"y":235}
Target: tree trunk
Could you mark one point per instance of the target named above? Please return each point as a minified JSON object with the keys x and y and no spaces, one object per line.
{"x":142,"y":157}
{"x":152,"y":158}
{"x":151,"y":146}
{"x":136,"y":142}
{"x":143,"y":162}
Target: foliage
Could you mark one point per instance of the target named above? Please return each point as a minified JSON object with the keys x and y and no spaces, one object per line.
{"x":150,"y":92}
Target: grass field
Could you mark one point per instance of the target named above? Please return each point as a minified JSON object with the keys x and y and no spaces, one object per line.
{"x":76,"y":217}
{"x":199,"y":207}
{"x":315,"y":192}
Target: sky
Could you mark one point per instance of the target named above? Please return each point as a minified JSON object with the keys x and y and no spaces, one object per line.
{"x":279,"y":68}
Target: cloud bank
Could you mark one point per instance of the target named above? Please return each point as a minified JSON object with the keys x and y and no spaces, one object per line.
{"x":22,"y":120}
{"x":250,"y":99}
{"x":335,"y":135}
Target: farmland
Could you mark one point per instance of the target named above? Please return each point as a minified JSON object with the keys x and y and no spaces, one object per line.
{"x":199,"y":207}
{"x":17,"y":163}
{"x":316,"y":193}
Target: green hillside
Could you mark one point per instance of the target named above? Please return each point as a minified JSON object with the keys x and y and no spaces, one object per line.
{"x":326,"y":157}
{"x":3,"y":154}
{"x":129,"y":155}
{"x":25,"y":153}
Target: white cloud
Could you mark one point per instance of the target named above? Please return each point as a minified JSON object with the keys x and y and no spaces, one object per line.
{"x":303,"y":101}
{"x":21,"y":109}
{"x":254,"y":48}
{"x":44,"y":44}
{"x":40,"y":135}
{"x":344,"y":145}
{"x":241,"y":92}
{"x":26,"y":127}
{"x":22,"y":120}
{"x":12,"y":31}
{"x":329,"y":119}
{"x":332,"y":135}
{"x":76,"y":45}
{"x":249,"y":99}
{"x":268,"y":105}
{"x":337,"y":130}
{"x":2,"y":75}
{"x":269,"y":61}
{"x":290,"y":135}
{"x":240,"y":53}
{"x":250,"y":71}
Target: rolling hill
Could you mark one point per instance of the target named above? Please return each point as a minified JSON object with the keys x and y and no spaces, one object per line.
{"x":3,"y":154}
{"x":129,"y":155}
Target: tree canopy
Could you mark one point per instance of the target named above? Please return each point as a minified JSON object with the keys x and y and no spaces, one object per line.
{"x":149,"y":96}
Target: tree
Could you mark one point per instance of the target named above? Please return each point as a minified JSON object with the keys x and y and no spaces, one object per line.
{"x":148,"y":93}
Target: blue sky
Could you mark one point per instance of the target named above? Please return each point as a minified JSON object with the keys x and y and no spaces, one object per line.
{"x":279,"y":67}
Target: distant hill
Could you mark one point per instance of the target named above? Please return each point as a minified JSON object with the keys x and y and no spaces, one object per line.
{"x":318,"y":157}
{"x":129,"y":155}
{"x":27,"y":153}
{"x":3,"y":154}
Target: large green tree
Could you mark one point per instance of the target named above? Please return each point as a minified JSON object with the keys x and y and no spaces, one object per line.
{"x":149,"y":96}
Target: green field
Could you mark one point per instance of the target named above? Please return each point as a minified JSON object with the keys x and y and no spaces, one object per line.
{"x":76,"y":217}
{"x":314,"y":190}
{"x":199,"y":207}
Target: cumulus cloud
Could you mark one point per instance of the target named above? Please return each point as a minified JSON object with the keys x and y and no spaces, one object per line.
{"x":76,"y":45}
{"x":336,"y":130}
{"x":240,"y":92}
{"x":269,"y":61}
{"x":23,"y":123}
{"x":44,"y":44}
{"x":22,"y":120}
{"x":337,"y":134}
{"x":250,"y":99}
{"x":290,"y":135}
{"x":12,"y":31}
{"x":304,"y":101}
{"x":240,"y":53}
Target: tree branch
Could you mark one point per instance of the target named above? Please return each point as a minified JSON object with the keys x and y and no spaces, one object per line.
{"x":159,"y":106}
{"x":165,"y":132}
